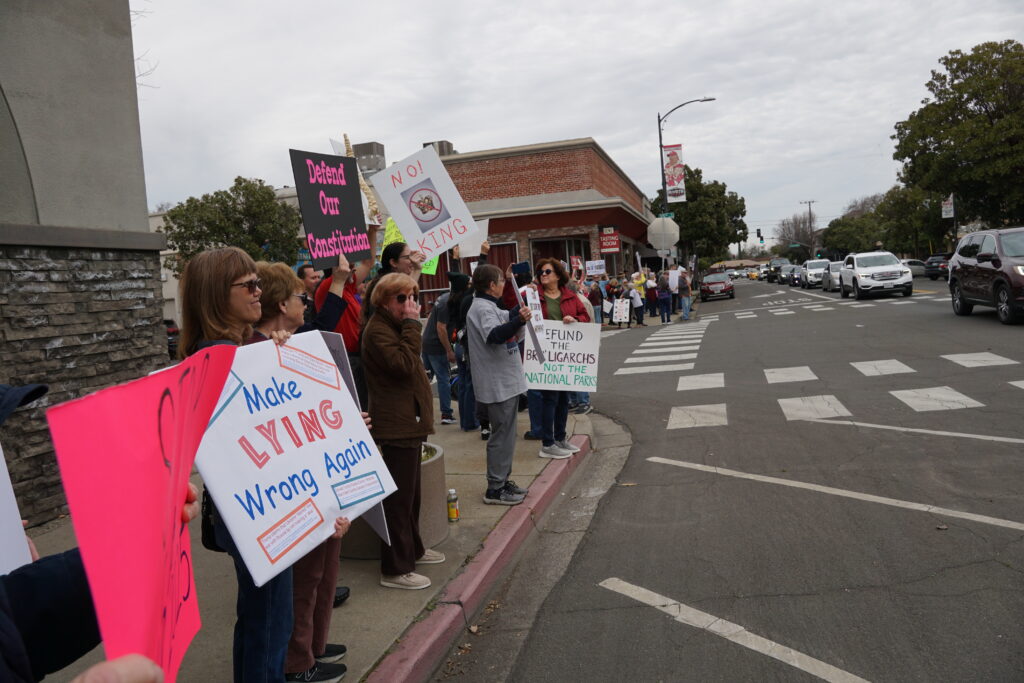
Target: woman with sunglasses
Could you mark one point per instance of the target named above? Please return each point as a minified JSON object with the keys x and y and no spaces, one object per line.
{"x":284,"y":299}
{"x":402,"y":410}
{"x":558,"y":303}
{"x":397,"y":257}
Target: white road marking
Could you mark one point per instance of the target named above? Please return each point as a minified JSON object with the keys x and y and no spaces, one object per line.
{"x":897,"y":302}
{"x":1018,"y":384}
{"x":658,"y":359}
{"x":663,"y":349}
{"x":861,"y":305}
{"x":823,"y":308}
{"x":714,"y":380}
{"x":812,"y":407}
{"x":655,"y":344}
{"x":845,"y":493}
{"x":916,"y":430}
{"x":847,"y":303}
{"x":801,"y":373}
{"x":661,"y":368}
{"x":783,"y":312}
{"x":979,"y":360}
{"x":675,"y":335}
{"x":874,"y":368}
{"x":936,"y":398}
{"x":709,"y":415}
{"x":734,"y":633}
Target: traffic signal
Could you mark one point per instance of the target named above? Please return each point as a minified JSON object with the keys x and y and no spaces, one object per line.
{"x":759,"y":235}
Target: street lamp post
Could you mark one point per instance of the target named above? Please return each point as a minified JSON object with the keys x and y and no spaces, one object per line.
{"x":661,"y":121}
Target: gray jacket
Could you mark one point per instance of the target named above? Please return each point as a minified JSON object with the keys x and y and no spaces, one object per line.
{"x":496,"y":365}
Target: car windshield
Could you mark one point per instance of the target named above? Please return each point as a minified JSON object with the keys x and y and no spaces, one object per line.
{"x":877,"y":260}
{"x":817,"y":265}
{"x":780,"y":261}
{"x":835,"y":266}
{"x":1013,"y":244}
{"x":716,"y":277}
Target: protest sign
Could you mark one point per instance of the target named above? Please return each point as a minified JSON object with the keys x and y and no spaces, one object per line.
{"x":577,"y":262}
{"x":535,"y":325}
{"x":327,"y":187}
{"x":424,"y":203}
{"x":371,"y":213}
{"x":472,"y":242}
{"x":595,"y":268}
{"x":289,"y":453}
{"x":571,"y":355}
{"x":673,"y":279}
{"x":13,"y":547}
{"x":125,"y":456}
{"x":607,"y":307}
{"x":621,"y":312}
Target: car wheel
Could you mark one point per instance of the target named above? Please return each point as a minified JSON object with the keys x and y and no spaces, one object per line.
{"x":909,"y":291}
{"x":703,"y":299}
{"x":732,"y":295}
{"x":842,"y":290}
{"x":857,"y":293}
{"x":960,"y":307}
{"x":1004,"y":307}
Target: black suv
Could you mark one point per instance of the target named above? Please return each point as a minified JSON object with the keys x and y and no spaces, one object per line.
{"x":937,"y":266}
{"x":774,"y":266}
{"x":988,"y":270}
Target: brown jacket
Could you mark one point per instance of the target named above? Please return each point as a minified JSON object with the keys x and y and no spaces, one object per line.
{"x":395,"y":379}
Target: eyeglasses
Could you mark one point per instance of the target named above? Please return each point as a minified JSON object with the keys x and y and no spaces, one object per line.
{"x":546,"y":271}
{"x":303,"y":297}
{"x":402,"y":297}
{"x":251,"y":285}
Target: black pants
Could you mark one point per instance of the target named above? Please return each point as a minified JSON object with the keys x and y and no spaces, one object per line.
{"x":402,"y":510}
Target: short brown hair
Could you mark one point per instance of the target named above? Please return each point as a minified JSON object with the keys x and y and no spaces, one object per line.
{"x":486,"y":275}
{"x":278,"y":282}
{"x":391,"y":285}
{"x":556,"y":265}
{"x":205,"y":293}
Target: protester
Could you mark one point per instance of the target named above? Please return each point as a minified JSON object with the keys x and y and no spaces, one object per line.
{"x":402,"y":410}
{"x":493,"y":335}
{"x":684,"y":293}
{"x":310,"y":279}
{"x":395,"y":258}
{"x":638,"y":303}
{"x":614,"y":292}
{"x":596,"y":298}
{"x":284,"y":299}
{"x":664,"y":294}
{"x":557,"y":303}
{"x":460,"y":292}
{"x":651,"y":299}
{"x":438,"y":354}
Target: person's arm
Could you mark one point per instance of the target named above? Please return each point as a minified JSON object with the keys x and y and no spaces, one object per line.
{"x":418,"y":259}
{"x":328,"y":314}
{"x":442,"y":332}
{"x":497,"y":332}
{"x":363,"y":268}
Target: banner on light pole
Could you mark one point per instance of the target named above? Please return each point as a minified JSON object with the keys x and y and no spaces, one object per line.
{"x":672,"y":165}
{"x":947,"y":206}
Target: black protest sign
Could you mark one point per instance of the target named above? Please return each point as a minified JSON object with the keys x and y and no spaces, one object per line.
{"x":332,"y":209}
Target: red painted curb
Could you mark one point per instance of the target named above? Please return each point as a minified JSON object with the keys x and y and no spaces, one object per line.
{"x":426,"y":642}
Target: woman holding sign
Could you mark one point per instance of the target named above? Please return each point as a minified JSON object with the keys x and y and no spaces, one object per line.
{"x":402,"y":409}
{"x":558,"y":303}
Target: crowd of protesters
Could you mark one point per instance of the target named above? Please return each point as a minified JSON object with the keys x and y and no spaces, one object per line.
{"x":478,"y":325}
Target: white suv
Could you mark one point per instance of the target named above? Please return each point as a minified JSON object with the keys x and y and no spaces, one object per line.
{"x":811,"y":272}
{"x":874,"y":271}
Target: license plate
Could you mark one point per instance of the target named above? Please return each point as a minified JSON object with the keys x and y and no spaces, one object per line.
{"x":888,"y":285}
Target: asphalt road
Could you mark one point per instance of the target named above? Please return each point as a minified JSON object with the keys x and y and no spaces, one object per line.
{"x":802,"y":522}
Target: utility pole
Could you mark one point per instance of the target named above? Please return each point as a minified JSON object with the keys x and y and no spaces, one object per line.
{"x":810,"y":226}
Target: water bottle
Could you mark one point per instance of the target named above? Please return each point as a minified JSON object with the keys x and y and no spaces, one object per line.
{"x":453,"y":506}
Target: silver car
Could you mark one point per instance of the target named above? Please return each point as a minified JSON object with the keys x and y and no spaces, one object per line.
{"x":830,"y":277}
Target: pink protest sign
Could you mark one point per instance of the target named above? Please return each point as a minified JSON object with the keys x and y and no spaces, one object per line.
{"x":125,"y":456}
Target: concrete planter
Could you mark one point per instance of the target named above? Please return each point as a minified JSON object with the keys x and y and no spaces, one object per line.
{"x":362,"y":543}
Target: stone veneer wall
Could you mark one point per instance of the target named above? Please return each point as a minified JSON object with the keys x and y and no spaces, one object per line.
{"x":78,"y":320}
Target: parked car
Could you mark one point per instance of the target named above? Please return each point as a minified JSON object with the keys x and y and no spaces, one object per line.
{"x":916,"y":266}
{"x":732,"y":273}
{"x":794,"y":276}
{"x":172,"y":337}
{"x":762,"y":273}
{"x":937,"y":266}
{"x":753,"y":274}
{"x":811,"y":272}
{"x":775,"y":267}
{"x":716,"y":285}
{"x":782,"y":276}
{"x":874,"y":271}
{"x":830,"y":277}
{"x":988,"y":270}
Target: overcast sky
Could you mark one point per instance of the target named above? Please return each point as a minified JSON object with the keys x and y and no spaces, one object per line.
{"x":807,"y":92}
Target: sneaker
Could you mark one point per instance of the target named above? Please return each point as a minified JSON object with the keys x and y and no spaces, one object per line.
{"x":574,"y":406}
{"x":331,"y":673}
{"x":518,"y":490}
{"x":332,"y":653}
{"x":554,"y":452}
{"x":409,"y":582}
{"x":502,"y":496}
{"x":472,"y":429}
{"x":583,"y":409}
{"x":341,"y":594}
{"x":566,"y":446}
{"x":447,"y":420}
{"x":485,"y":433}
{"x":431,"y":557}
{"x":530,"y":436}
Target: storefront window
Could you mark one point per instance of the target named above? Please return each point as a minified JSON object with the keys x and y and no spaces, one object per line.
{"x":561,"y":249}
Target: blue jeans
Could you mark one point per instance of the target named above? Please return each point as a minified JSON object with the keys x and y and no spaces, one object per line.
{"x":467,"y":397}
{"x":599,"y":313}
{"x":264,"y":619}
{"x":664,"y":304}
{"x":685,"y":301}
{"x":580,"y":398}
{"x":439,"y":366}
{"x":554,"y":416}
{"x":535,"y":407}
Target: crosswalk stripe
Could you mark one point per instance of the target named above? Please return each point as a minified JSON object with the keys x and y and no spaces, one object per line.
{"x":658,"y":359}
{"x":663,"y":349}
{"x":659,"y":368}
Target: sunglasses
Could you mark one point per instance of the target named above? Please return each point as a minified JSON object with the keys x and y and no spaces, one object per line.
{"x":251,"y":285}
{"x":304,"y":298}
{"x":402,"y":297}
{"x":546,"y":271}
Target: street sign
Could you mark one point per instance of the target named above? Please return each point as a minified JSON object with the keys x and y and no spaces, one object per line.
{"x":667,"y":214}
{"x":663,"y":233}
{"x":794,"y":245}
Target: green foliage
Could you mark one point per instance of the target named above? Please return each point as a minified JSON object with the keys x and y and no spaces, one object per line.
{"x":968,"y":138}
{"x":851,"y":233}
{"x":711,"y":218}
{"x":247,"y":215}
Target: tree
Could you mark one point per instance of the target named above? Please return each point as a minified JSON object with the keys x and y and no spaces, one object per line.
{"x":910,"y":221}
{"x":710,"y":220}
{"x":968,"y":138}
{"x":851,"y":234}
{"x":797,"y":229}
{"x":247,"y":215}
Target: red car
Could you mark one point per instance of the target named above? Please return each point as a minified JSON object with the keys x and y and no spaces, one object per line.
{"x":988,"y":270}
{"x":716,"y":284}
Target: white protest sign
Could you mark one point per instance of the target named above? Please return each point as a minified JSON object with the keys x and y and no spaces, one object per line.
{"x":571,"y":356}
{"x":287,"y":452}
{"x":472,"y":241}
{"x":530,"y":326}
{"x":424,"y":203}
{"x":621,"y":312}
{"x":536,"y":312}
{"x":607,"y":307}
{"x":595,"y":267}
{"x":673,"y":280}
{"x":13,"y":546}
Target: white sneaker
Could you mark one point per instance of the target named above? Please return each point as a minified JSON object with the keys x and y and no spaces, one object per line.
{"x":410,"y":581}
{"x":566,"y":446}
{"x":431,"y":557}
{"x":554,"y":452}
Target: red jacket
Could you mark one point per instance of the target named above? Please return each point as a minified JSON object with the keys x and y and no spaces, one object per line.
{"x":571,"y":305}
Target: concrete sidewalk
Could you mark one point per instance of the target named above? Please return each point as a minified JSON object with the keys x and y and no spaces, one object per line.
{"x":379,"y":625}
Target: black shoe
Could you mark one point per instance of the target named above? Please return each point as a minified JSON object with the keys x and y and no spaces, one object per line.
{"x":340,"y":595}
{"x":325,"y":673}
{"x":530,"y":436}
{"x":511,"y":487}
{"x":332,"y":653}
{"x":485,"y":433}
